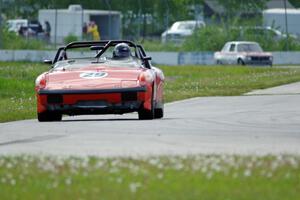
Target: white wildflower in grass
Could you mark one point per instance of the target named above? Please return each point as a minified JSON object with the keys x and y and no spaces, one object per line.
{"x":3,"y":180}
{"x":115,"y":163}
{"x":160,"y":175}
{"x":85,"y":173}
{"x":134,"y":186}
{"x":154,"y":161}
{"x":21,"y":177}
{"x":274,"y":165}
{"x":178,"y":166}
{"x":47,"y":166}
{"x":195,"y":166}
{"x":119,"y":180}
{"x":160,"y":166}
{"x":9,"y":165}
{"x":269,"y":175}
{"x":250,"y":164}
{"x":209,"y":175}
{"x":13,"y":182}
{"x":235,"y":175}
{"x":85,"y":162}
{"x":215,"y":167}
{"x":113,"y":170}
{"x":247,"y":173}
{"x":68,"y":181}
{"x":204,"y":169}
{"x":287,"y":175}
{"x":292,"y":161}
{"x":99,"y":164}
{"x":55,"y":184}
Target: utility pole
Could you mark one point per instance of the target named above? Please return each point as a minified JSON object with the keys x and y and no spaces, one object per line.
{"x":167,"y":15}
{"x":286,"y":27}
{"x":1,"y":40}
{"x":109,"y":19}
{"x":139,"y":19}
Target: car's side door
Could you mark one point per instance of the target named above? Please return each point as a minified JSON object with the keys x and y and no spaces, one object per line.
{"x":229,"y":53}
{"x":223,"y":54}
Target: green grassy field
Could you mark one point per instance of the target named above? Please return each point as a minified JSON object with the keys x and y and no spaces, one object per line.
{"x":17,"y":99}
{"x":215,"y":177}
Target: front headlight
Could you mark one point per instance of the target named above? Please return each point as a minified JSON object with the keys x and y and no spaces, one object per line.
{"x":145,"y":78}
{"x":41,"y":82}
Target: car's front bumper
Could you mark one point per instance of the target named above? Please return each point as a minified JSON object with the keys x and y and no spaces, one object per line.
{"x":251,"y":62}
{"x":99,"y":101}
{"x":258,"y":60}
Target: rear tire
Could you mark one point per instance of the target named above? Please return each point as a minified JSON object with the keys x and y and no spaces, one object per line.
{"x":49,"y":117}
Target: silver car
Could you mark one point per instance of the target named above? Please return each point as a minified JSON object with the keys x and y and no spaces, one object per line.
{"x":243,"y":53}
{"x":180,"y":30}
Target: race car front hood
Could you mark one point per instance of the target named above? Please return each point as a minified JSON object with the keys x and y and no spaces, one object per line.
{"x":93,"y":78}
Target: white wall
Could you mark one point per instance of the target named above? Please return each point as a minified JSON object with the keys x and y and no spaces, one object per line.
{"x":67,"y":23}
{"x":276,"y":18}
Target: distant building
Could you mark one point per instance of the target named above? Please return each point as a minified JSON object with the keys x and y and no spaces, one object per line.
{"x":70,"y":21}
{"x":276,"y":17}
{"x":213,"y":10}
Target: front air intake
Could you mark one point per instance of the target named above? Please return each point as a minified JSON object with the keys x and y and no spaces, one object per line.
{"x":129,"y":96}
{"x":55,"y":99}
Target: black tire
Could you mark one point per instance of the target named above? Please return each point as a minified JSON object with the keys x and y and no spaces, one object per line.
{"x":158,"y":113}
{"x":49,"y":117}
{"x":219,"y":62}
{"x":145,"y":114}
{"x":240,"y":62}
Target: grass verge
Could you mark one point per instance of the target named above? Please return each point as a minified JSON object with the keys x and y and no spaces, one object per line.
{"x":193,"y":81}
{"x":17,"y":99}
{"x":191,"y":177}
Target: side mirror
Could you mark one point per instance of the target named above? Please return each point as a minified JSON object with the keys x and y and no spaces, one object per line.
{"x":147,"y":58}
{"x":48,"y":62}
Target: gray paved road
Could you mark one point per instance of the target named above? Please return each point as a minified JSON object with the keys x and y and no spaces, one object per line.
{"x":243,"y":125}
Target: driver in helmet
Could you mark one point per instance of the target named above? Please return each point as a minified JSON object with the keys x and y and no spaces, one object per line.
{"x":121,"y":51}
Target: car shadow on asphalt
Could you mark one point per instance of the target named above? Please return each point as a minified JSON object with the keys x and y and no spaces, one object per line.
{"x":111,"y":120}
{"x":96,"y":120}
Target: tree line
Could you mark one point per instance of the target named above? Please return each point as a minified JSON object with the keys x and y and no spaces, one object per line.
{"x":149,"y":16}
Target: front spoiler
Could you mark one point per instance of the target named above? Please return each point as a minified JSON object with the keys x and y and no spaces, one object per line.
{"x":106,"y":108}
{"x":127,"y":100}
{"x":93,"y":91}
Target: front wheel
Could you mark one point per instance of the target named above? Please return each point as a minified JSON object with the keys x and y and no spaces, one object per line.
{"x":49,"y":116}
{"x":240,"y":62}
{"x":159,"y":113}
{"x":145,"y":114}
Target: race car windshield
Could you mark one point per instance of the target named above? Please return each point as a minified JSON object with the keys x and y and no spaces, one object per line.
{"x":249,"y":48}
{"x":186,"y":26}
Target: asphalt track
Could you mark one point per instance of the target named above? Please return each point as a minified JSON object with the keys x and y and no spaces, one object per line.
{"x":262,"y":123}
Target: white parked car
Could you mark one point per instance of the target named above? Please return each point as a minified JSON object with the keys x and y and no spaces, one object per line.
{"x":180,"y":30}
{"x":243,"y":53}
{"x":14,"y":25}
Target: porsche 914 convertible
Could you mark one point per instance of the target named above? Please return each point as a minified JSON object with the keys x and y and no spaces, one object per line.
{"x":103,"y":77}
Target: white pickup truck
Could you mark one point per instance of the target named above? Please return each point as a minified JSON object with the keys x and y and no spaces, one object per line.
{"x":243,"y":53}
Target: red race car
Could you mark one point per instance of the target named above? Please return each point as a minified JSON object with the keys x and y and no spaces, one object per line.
{"x":104,"y":77}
